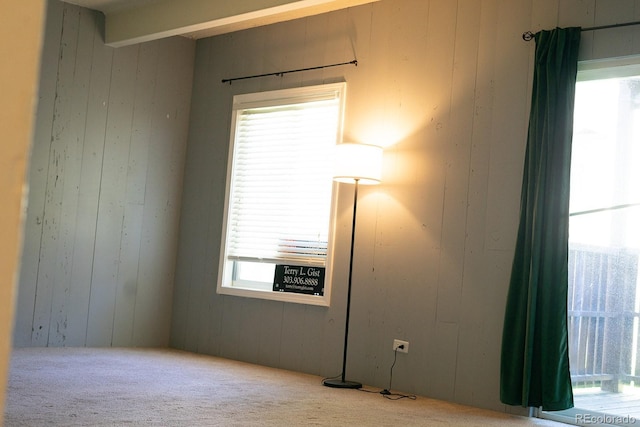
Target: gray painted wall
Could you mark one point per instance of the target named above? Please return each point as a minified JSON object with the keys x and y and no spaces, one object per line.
{"x":446,"y":85}
{"x":105,"y":188}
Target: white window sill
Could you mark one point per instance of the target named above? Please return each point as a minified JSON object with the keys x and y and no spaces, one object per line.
{"x":323,"y":300}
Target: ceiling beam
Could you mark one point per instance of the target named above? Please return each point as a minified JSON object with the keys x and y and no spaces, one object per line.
{"x":205,"y":18}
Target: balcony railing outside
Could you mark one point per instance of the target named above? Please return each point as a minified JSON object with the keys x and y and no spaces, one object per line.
{"x":603,"y":317}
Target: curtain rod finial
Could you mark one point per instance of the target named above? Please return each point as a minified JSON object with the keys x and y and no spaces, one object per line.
{"x":527,"y":36}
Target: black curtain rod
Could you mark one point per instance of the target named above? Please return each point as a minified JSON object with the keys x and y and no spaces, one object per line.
{"x":528,"y":35}
{"x":280,"y":73}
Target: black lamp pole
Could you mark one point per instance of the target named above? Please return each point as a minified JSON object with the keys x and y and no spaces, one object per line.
{"x":342,"y":382}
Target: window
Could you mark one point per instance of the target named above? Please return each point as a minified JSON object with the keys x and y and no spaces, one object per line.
{"x":604,"y":245}
{"x":279,"y":199}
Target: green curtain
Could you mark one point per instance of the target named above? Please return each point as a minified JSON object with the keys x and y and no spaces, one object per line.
{"x":535,"y":361}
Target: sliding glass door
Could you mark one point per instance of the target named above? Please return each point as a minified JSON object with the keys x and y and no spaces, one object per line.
{"x":604,"y":247}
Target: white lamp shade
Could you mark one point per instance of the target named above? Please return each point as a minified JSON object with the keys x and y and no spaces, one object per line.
{"x":362,"y":162}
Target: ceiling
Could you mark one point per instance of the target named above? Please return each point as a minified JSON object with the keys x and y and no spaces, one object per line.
{"x":134,"y":21}
{"x":108,"y":6}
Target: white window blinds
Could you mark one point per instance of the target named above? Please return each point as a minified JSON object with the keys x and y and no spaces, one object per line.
{"x":280,"y":194}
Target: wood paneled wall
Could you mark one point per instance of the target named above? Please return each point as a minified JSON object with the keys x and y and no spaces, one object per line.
{"x":446,"y":86}
{"x":105,"y":188}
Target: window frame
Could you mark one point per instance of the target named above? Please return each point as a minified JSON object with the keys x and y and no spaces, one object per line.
{"x":275,"y":98}
{"x":598,"y":69}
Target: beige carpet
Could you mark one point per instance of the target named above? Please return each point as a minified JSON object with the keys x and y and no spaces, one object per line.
{"x":138,"y":387}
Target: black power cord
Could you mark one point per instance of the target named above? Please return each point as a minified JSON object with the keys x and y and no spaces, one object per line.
{"x":386,"y":393}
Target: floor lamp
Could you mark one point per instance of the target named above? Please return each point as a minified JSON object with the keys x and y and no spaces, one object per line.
{"x":356,"y":164}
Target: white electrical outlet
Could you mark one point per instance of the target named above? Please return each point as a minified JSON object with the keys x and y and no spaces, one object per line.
{"x":399,"y":343}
